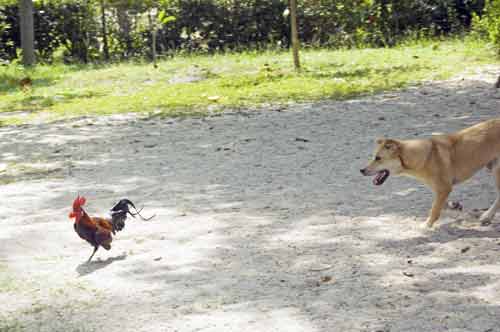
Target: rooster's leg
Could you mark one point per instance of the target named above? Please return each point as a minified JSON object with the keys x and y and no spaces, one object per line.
{"x":95,"y":249}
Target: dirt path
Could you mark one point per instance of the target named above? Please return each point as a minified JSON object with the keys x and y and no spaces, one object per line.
{"x":263,"y":222}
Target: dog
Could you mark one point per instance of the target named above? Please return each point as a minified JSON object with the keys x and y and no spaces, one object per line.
{"x":441,"y":162}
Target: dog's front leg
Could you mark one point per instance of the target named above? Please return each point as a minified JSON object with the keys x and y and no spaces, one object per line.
{"x":438,"y":204}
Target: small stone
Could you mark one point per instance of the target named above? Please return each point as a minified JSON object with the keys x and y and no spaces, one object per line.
{"x":300,"y":139}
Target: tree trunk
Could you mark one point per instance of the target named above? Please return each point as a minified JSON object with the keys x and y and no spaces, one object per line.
{"x":27,"y":32}
{"x":236,"y":18}
{"x":152,"y":27}
{"x":125,"y":29}
{"x":295,"y":34}
{"x":104,"y":32}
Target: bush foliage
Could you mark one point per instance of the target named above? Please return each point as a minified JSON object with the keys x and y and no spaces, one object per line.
{"x":488,"y":25}
{"x":90,"y":30}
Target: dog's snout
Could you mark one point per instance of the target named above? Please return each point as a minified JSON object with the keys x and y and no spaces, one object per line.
{"x":363,"y":171}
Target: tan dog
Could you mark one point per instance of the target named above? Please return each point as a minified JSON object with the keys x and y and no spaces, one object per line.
{"x":441,"y":161}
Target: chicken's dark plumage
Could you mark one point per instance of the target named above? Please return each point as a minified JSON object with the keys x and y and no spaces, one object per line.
{"x":119,"y":214}
{"x":97,"y":231}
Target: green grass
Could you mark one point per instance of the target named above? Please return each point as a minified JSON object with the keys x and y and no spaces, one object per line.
{"x":187,"y":85}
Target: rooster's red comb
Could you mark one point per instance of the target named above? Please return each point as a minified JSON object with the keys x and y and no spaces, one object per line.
{"x":79,"y":202}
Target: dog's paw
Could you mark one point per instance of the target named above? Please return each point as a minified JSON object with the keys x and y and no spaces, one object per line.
{"x":485,"y":218}
{"x":455,"y":205}
{"x":428,"y":225}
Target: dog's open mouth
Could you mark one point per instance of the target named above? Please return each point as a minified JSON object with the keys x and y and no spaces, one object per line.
{"x":381,"y":177}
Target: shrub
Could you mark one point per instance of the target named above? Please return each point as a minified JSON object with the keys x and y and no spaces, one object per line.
{"x":488,"y":25}
{"x":210,"y":25}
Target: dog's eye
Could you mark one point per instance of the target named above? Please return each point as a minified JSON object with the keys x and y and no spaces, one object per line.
{"x":377,"y":158}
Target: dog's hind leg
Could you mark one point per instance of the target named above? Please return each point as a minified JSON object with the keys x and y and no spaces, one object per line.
{"x":488,"y":215}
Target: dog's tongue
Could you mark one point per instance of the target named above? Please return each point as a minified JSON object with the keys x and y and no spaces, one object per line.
{"x":380,"y":178}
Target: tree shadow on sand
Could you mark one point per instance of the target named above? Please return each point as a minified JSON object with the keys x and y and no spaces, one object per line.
{"x":279,"y":231}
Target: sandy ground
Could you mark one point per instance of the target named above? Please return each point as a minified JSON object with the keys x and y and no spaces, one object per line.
{"x":263,"y":222}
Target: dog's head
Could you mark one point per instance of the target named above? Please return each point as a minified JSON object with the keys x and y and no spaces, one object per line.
{"x":387,"y":160}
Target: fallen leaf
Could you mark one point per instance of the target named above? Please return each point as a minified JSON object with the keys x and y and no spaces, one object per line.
{"x":326,"y":278}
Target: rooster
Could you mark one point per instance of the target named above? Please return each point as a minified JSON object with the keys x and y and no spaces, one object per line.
{"x":98,"y":231}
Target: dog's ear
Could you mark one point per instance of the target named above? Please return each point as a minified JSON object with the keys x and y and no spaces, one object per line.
{"x":380,"y":141}
{"x":391,"y":144}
